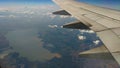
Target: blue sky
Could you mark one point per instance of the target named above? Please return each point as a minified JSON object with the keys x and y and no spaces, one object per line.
{"x":115,"y":4}
{"x":25,"y":1}
{"x":47,"y":1}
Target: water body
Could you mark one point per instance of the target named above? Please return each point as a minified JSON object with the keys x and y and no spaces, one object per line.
{"x":27,"y":43}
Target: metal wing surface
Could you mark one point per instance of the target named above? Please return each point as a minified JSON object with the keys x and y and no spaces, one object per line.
{"x":104,"y":21}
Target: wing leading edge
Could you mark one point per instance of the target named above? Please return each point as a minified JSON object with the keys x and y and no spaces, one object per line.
{"x":105,"y":22}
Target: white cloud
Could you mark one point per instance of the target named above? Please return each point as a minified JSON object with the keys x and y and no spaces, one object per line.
{"x":12,"y":16}
{"x":52,"y":16}
{"x":48,"y":13}
{"x":81,"y":37}
{"x":96,"y":42}
{"x":52,"y":26}
{"x":29,"y":11}
{"x":1,"y":16}
{"x":63,"y":16}
{"x":6,"y":16}
{"x":87,"y":31}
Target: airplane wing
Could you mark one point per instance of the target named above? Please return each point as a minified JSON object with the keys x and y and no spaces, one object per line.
{"x":104,"y":21}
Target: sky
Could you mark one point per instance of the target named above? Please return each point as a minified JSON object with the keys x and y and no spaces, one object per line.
{"x":49,"y":1}
{"x":25,"y":1}
{"x":107,"y":3}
